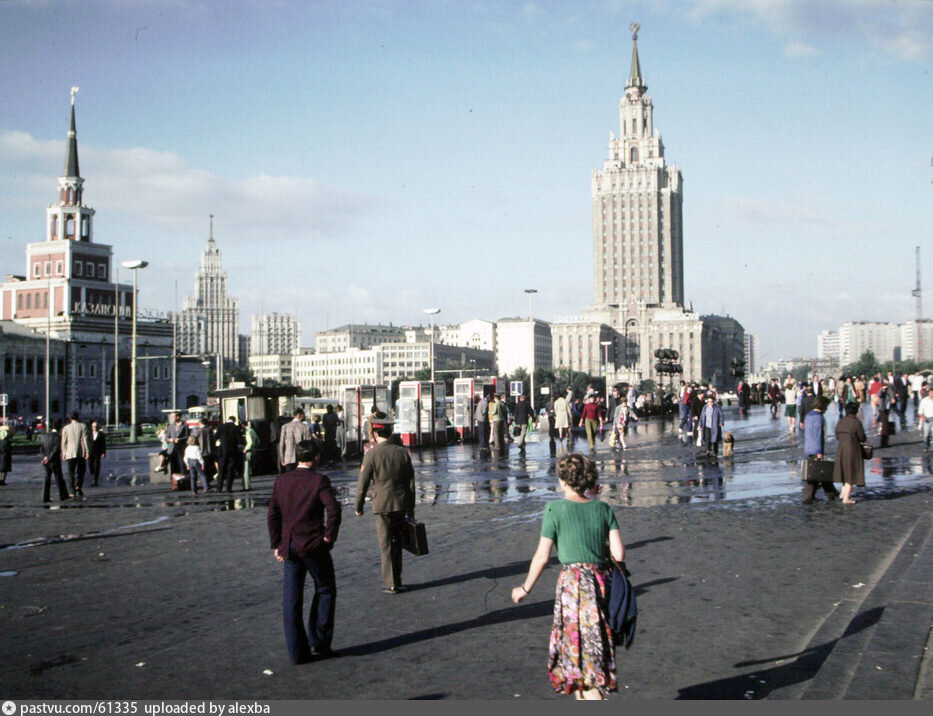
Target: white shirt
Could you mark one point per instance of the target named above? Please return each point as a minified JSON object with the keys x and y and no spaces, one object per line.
{"x":925,"y":409}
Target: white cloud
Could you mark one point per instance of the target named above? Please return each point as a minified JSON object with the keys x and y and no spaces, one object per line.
{"x":898,"y":29}
{"x":162,"y":190}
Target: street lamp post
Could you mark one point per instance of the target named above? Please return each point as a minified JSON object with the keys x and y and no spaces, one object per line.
{"x":135,"y":265}
{"x":605,"y":345}
{"x":432,"y":312}
{"x":531,"y":319}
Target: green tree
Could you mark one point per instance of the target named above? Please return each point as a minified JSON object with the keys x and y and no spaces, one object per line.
{"x":866,"y":364}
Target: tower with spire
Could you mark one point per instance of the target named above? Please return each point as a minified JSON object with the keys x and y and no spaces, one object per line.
{"x":209,"y":321}
{"x":637,"y":200}
{"x":638,"y":268}
{"x":69,"y":292}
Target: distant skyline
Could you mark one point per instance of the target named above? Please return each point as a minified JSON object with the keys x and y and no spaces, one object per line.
{"x":366,"y":160}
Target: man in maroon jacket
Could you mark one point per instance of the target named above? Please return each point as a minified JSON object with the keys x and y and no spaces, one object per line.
{"x":303,"y":519}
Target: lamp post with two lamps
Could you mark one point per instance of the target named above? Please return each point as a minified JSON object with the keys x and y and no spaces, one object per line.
{"x":135,"y":265}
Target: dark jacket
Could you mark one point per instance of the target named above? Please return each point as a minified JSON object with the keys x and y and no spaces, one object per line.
{"x":97,"y":446}
{"x":229,"y":440}
{"x":303,"y":510}
{"x":6,"y":458}
{"x":51,"y":447}
{"x":623,"y":610}
{"x":522,"y":412}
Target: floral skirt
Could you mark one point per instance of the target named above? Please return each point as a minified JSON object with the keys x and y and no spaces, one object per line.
{"x":582,"y":653}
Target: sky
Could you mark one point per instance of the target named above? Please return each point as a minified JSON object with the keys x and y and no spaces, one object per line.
{"x":367,"y":160}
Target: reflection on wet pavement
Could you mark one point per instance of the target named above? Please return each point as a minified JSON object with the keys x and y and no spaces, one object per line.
{"x":657,"y":468}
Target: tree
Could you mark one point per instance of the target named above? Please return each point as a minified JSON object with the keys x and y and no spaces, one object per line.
{"x":867,"y":364}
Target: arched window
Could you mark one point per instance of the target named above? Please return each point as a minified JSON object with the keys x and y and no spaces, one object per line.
{"x":633,"y":154}
{"x":28,"y":300}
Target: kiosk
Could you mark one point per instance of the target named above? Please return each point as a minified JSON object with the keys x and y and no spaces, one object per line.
{"x":261,"y":407}
{"x":420,"y":418}
{"x":358,"y":401}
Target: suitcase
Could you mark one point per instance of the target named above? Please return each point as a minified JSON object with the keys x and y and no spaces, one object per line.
{"x":180,"y":482}
{"x":814,"y":470}
{"x":415,"y":537}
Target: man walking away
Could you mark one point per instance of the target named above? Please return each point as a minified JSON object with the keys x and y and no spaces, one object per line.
{"x":50,"y":453}
{"x":74,"y":452}
{"x":229,"y":453}
{"x":482,"y":423}
{"x":303,"y":520}
{"x":388,"y":469}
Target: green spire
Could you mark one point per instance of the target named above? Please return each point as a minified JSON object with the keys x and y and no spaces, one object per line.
{"x":634,"y":78}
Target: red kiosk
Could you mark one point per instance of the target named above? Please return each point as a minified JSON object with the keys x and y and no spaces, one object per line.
{"x":420,"y":418}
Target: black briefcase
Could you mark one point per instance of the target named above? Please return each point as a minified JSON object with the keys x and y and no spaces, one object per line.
{"x":415,"y":537}
{"x":814,"y":470}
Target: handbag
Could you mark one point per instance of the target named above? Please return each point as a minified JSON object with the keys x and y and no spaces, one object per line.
{"x":867,"y":451}
{"x":814,"y":470}
{"x":415,"y":537}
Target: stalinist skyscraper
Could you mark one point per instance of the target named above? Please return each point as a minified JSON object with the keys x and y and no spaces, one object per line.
{"x":637,"y":202}
{"x":638,"y":267}
{"x":209,"y":323}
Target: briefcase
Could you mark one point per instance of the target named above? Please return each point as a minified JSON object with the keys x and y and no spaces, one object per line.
{"x":814,"y":470}
{"x":415,"y":537}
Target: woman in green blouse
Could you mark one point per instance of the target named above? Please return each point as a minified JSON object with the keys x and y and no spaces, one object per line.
{"x":581,"y":649}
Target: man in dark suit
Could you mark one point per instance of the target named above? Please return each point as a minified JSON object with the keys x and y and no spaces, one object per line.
{"x":50,"y":452}
{"x":388,"y":469}
{"x":229,"y":453}
{"x":302,"y":539}
{"x":176,"y":435}
{"x":96,"y":449}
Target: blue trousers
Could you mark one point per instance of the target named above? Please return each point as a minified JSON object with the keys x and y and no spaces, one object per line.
{"x":320,"y":630}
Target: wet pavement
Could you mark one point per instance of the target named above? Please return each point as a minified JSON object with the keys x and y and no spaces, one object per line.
{"x":136,"y":591}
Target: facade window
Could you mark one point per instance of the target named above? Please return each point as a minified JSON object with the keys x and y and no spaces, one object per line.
{"x":89,"y":272}
{"x":35,"y":269}
{"x":28,"y":300}
{"x":92,"y":370}
{"x":155,"y":371}
{"x":19,"y":300}
{"x":80,"y":366}
{"x":79,"y":268}
{"x":48,"y":268}
{"x":101,"y":270}
{"x":59,"y":268}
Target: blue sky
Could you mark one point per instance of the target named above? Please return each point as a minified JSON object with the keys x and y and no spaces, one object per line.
{"x":367,"y":160}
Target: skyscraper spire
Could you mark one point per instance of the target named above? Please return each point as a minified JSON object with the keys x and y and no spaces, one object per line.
{"x":634,"y":78}
{"x":71,"y":159}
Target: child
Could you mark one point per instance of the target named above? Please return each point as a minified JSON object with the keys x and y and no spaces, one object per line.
{"x":625,"y":415}
{"x":163,"y":451}
{"x":195,"y":464}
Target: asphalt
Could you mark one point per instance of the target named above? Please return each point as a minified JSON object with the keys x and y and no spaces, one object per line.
{"x":137,"y":592}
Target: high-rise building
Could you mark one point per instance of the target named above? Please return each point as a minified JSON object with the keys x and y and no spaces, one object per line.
{"x":274,"y":333}
{"x":637,"y":201}
{"x":68,"y":292}
{"x":638,"y":270}
{"x":209,"y":322}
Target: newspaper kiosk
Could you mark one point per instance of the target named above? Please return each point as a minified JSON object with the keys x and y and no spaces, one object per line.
{"x":259,"y":406}
{"x":358,"y":401}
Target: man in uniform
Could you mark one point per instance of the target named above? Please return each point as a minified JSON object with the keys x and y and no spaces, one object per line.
{"x":388,"y":469}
